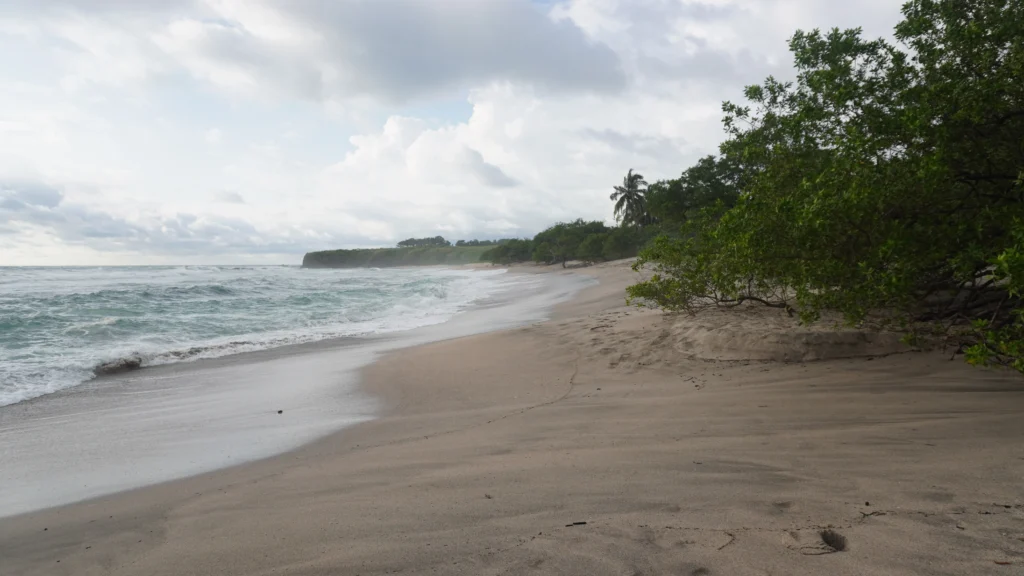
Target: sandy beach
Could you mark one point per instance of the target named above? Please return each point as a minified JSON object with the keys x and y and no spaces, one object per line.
{"x":607,"y":440}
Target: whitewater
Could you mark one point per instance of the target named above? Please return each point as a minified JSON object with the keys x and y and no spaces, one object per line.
{"x":58,"y":324}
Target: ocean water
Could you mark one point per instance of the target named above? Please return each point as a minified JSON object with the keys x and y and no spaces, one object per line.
{"x":58,"y":324}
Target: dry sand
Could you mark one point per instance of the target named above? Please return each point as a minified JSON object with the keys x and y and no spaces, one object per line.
{"x":685,"y":446}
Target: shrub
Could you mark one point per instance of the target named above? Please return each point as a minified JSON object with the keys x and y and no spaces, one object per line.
{"x":884,"y":183}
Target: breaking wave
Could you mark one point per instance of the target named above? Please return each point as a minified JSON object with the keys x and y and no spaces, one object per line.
{"x":60,"y":327}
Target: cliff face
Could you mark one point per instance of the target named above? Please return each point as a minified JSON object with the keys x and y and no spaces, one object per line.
{"x":390,"y":257}
{"x":313,"y":260}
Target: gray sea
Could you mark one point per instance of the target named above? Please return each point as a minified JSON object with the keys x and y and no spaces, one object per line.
{"x":58,"y":324}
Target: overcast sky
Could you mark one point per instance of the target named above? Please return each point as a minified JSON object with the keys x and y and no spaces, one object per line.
{"x":234,"y":131}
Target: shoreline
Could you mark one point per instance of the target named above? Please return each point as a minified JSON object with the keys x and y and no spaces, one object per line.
{"x":239,"y":346}
{"x":493,"y":447}
{"x":162,"y":423}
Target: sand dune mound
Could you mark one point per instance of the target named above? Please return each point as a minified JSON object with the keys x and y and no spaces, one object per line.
{"x":767,"y":334}
{"x":795,"y":345}
{"x":643,"y":337}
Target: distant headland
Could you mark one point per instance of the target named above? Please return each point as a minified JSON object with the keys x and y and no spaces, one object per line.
{"x":578,"y":240}
{"x":412,"y":252}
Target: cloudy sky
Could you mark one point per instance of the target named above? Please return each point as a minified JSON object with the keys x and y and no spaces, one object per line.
{"x":234,"y":131}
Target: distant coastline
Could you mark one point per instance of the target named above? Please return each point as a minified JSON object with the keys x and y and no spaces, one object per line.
{"x":393,"y":257}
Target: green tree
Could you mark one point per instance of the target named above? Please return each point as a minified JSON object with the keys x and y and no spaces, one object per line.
{"x":630,"y":207}
{"x":509,"y":251}
{"x":884,"y":183}
{"x":542,"y":253}
{"x":622,"y":243}
{"x":416,"y":242}
{"x":591,"y":249}
{"x":711,"y":180}
{"x":564,"y":238}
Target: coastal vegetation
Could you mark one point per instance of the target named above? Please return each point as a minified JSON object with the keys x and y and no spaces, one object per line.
{"x":419,"y":255}
{"x":884,"y":183}
{"x":643,"y":213}
{"x":630,"y":200}
{"x":432,"y":251}
{"x":421,"y":242}
{"x":579,"y":240}
{"x":479,"y":242}
{"x":592,"y":241}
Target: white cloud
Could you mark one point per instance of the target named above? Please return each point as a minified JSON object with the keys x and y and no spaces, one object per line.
{"x":107,"y":100}
{"x":230,"y":197}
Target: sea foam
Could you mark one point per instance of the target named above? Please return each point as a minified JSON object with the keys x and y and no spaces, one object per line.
{"x":58,"y":325}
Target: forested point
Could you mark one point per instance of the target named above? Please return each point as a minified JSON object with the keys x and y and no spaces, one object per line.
{"x":426,"y":255}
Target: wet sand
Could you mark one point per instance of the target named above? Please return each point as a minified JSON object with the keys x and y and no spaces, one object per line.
{"x":171,"y":421}
{"x":605,"y":441}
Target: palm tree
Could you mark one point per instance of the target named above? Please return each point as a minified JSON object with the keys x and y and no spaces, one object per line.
{"x":630,"y":204}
